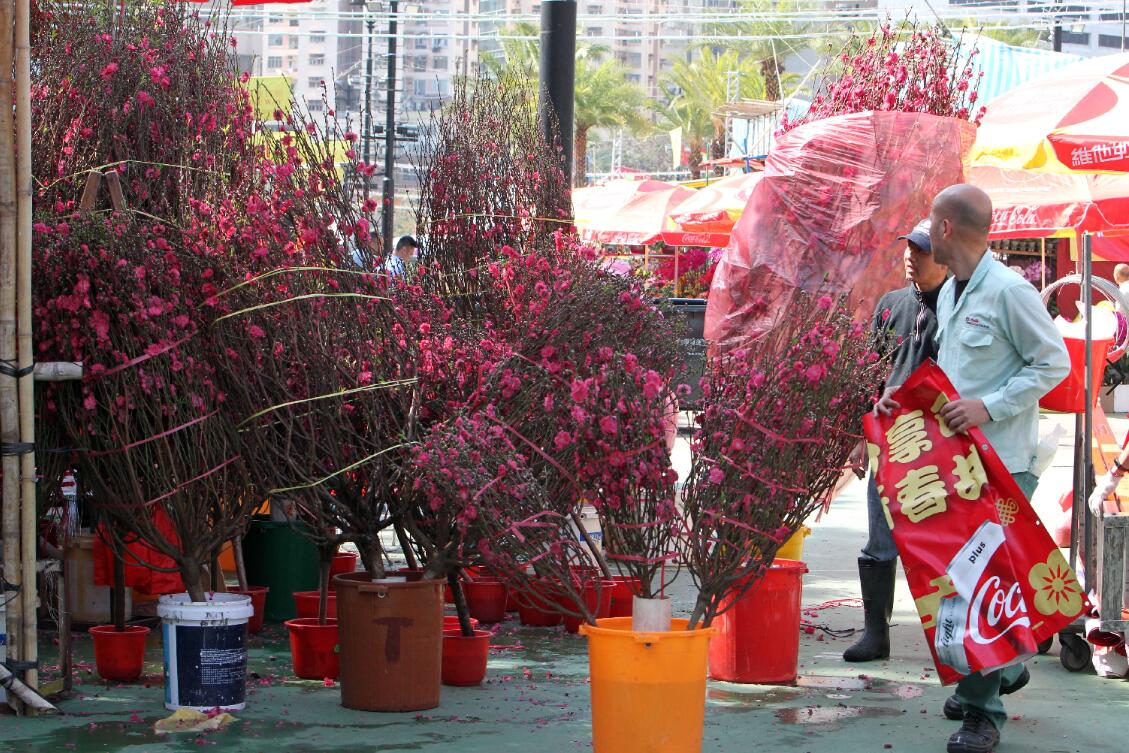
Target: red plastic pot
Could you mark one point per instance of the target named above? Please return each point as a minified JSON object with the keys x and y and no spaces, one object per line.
{"x":622,"y":594}
{"x":464,"y":659}
{"x":486,"y":599}
{"x":536,"y":608}
{"x":758,"y":636}
{"x":598,"y":600}
{"x":119,"y":655}
{"x":306,"y":604}
{"x":258,"y":596}
{"x":344,"y":562}
{"x":314,"y":648}
{"x":451,"y":622}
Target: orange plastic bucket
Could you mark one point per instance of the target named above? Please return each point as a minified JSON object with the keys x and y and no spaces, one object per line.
{"x":758,"y":638}
{"x":648,"y":689}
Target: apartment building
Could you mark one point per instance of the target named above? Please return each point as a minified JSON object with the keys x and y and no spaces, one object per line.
{"x":302,"y":42}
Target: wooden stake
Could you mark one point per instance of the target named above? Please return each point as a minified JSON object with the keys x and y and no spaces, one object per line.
{"x":26,"y":385}
{"x":9,"y":411}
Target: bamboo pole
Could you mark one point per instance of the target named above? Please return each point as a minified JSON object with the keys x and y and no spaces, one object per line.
{"x":9,"y":414}
{"x":26,"y":384}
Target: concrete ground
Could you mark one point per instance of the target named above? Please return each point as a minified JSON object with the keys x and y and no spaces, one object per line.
{"x":536,"y":695}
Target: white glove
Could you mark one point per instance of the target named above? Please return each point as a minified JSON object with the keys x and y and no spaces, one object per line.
{"x":1103,"y":489}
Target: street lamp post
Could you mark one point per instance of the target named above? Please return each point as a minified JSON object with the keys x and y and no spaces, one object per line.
{"x":371,"y":24}
{"x":389,"y":199}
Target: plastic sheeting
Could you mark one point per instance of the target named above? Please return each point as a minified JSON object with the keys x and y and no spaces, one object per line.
{"x":835,"y":195}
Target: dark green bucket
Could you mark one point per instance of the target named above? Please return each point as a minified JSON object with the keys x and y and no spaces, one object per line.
{"x":278,"y":556}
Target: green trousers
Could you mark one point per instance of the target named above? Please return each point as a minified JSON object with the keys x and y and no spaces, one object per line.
{"x":981,"y":690}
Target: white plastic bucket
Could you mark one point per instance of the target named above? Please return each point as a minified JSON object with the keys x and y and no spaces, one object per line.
{"x":591,"y":521}
{"x":205,"y":647}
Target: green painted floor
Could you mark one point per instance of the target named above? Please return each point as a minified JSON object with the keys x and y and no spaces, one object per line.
{"x":536,"y":695}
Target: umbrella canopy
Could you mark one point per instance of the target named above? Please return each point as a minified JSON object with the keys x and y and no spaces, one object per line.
{"x":717,"y":207}
{"x":1033,"y":204}
{"x":1074,"y":120}
{"x":595,"y":203}
{"x":643,"y":219}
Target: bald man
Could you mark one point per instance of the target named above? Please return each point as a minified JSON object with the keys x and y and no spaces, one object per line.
{"x":999,"y":347}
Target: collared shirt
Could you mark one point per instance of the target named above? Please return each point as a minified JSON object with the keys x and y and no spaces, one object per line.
{"x":998,"y":343}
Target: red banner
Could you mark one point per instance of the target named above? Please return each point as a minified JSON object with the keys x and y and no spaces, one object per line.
{"x":989,"y":583}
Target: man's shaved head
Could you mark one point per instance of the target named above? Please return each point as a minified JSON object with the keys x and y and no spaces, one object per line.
{"x":968,"y":207}
{"x":961,"y":217}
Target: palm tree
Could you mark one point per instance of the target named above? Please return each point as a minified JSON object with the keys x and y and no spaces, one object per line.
{"x":604,"y":97}
{"x":767,"y":40}
{"x":696,"y":90}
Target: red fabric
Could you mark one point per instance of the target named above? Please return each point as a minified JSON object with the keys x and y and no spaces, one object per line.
{"x":1027,"y":204}
{"x":989,"y":583}
{"x":835,"y":195}
{"x":137,"y":575}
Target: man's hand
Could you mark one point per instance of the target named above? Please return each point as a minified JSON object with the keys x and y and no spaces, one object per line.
{"x":886,"y":405}
{"x":962,"y":415}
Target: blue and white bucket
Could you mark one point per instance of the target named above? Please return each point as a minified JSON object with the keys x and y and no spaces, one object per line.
{"x":205,"y":646}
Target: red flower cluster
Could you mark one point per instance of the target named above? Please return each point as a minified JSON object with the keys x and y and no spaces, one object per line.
{"x":898,"y":67}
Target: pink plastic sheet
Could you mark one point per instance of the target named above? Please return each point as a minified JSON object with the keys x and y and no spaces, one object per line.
{"x":835,"y":195}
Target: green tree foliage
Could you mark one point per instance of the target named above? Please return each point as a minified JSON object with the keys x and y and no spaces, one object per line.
{"x":695,"y":90}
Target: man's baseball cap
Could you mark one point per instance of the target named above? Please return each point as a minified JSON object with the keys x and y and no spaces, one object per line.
{"x":919,"y":236}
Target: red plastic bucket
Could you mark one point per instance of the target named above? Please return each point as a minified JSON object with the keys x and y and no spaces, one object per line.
{"x":536,"y":608}
{"x":464,"y":659}
{"x":1069,"y":396}
{"x":306,"y":604}
{"x":758,"y":639}
{"x":344,"y":562}
{"x":597,"y":600}
{"x":451,"y":622}
{"x":119,"y":655}
{"x":486,"y":599}
{"x":258,"y":596}
{"x":622,"y":595}
{"x":314,"y":648}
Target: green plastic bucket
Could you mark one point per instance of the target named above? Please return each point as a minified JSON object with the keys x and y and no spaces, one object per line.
{"x":278,"y":556}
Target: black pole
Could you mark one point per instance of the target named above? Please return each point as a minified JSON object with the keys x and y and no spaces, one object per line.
{"x":368,"y":95}
{"x":389,"y":210}
{"x":1056,"y":36}
{"x":558,"y":74}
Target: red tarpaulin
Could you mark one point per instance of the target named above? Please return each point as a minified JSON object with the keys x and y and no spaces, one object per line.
{"x":835,"y":195}
{"x":988,"y":582}
{"x":1035,"y":204}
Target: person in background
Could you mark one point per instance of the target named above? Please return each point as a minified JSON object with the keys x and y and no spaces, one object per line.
{"x":1002,"y":353}
{"x":902,"y":330}
{"x":403,"y":257}
{"x":1121,"y":277}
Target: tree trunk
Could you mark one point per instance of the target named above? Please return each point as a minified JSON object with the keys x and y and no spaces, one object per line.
{"x":770,"y":72}
{"x":695,"y":160}
{"x":580,"y":157}
{"x":460,"y":604}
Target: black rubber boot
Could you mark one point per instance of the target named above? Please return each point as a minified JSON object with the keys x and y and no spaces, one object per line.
{"x":877,"y":581}
{"x":976,"y":735}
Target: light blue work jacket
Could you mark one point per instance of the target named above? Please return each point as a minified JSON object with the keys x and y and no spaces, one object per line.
{"x":998,"y":344}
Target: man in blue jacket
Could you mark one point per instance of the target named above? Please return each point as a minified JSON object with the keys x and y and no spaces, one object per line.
{"x":1000,"y":349}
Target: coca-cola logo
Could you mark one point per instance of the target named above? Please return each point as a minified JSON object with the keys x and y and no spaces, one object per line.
{"x":1000,"y":610}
